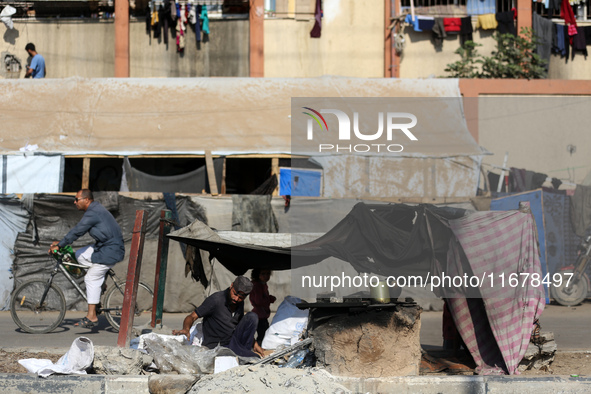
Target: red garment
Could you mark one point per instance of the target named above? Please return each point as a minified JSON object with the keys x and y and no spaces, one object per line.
{"x":566,"y":13}
{"x":452,"y":24}
{"x":260,"y":299}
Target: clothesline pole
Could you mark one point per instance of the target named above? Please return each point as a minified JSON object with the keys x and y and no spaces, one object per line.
{"x":161,"y":266}
{"x":500,"y":185}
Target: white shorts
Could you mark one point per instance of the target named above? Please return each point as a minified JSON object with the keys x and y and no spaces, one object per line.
{"x":95,"y":276}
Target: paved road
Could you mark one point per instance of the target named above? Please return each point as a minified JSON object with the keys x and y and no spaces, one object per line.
{"x":571,"y":327}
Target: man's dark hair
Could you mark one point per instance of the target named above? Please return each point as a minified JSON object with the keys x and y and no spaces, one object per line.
{"x":30,"y":47}
{"x":86,"y":193}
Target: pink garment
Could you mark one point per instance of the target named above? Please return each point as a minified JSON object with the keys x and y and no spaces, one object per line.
{"x":566,"y":12}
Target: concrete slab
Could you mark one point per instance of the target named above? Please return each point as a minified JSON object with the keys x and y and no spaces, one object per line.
{"x":30,"y":383}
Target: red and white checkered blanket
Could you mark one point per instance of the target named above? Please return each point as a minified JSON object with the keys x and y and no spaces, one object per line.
{"x":497,"y":328}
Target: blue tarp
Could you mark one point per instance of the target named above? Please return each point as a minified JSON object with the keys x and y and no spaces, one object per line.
{"x":300,"y":182}
{"x":511,"y":202}
{"x":13,"y":219}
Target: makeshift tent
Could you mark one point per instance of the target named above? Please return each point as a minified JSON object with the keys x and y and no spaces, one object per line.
{"x":422,"y":240}
{"x":234,"y":116}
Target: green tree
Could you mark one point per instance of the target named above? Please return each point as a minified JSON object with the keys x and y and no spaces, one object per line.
{"x":514,"y":57}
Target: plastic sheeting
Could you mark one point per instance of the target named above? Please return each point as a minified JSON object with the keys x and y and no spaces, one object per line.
{"x":381,"y":239}
{"x":13,"y":219}
{"x":253,"y":214}
{"x":300,"y":182}
{"x":54,"y":216}
{"x":32,"y":173}
{"x":191,"y":182}
{"x":535,"y":202}
{"x":351,"y":176}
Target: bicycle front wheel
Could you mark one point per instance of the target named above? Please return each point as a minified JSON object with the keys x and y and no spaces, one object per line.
{"x":33,"y":316}
{"x":114,"y":305}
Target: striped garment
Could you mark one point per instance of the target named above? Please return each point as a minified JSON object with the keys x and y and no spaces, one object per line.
{"x":497,"y":328}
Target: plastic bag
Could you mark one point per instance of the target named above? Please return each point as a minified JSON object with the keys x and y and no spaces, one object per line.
{"x":287,"y":325}
{"x":76,"y":361}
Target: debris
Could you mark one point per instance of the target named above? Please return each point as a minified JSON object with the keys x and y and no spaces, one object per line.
{"x":269,"y":379}
{"x":111,"y":360}
{"x":539,"y":356}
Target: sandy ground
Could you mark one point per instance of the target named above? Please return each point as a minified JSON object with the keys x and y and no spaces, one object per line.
{"x":565,"y":363}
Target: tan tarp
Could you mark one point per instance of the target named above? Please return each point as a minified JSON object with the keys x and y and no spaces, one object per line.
{"x":186,"y":115}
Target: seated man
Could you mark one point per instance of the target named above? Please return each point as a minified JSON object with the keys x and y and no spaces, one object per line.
{"x":224,"y":321}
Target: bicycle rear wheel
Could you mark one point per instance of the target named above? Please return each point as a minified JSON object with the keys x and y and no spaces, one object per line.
{"x":114,"y":305}
{"x":30,"y":315}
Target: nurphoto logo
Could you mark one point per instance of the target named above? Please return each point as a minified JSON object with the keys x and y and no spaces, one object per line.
{"x":395,"y":122}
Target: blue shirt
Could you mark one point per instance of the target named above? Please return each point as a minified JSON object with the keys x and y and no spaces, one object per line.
{"x":38,"y":66}
{"x":101,"y":225}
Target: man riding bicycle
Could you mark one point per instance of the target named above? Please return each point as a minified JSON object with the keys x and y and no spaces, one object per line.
{"x":100,"y":257}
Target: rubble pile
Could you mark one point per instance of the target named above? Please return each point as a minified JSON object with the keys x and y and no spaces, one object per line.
{"x":539,"y":355}
{"x":269,"y":379}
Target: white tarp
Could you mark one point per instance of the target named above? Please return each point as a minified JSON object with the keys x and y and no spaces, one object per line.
{"x":31,"y":173}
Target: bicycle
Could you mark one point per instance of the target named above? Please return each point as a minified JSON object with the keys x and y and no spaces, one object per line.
{"x":38,"y":306}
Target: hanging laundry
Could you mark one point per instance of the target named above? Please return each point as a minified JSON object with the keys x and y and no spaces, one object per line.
{"x":438,"y":32}
{"x":148,"y":21}
{"x":566,"y":13}
{"x":426,"y":23}
{"x":559,"y":42}
{"x":163,"y":17}
{"x":414,"y":22}
{"x":205,"y":18}
{"x":193,"y":14}
{"x":466,"y":29}
{"x":317,"y":29}
{"x":156,"y":24}
{"x":481,"y":7}
{"x":173,"y":10}
{"x":183,"y":14}
{"x":486,"y":22}
{"x":579,"y":43}
{"x":452,"y":25}
{"x":198,"y":23}
{"x":506,"y":24}
{"x":587,"y":31}
{"x":180,"y":36}
{"x":544,"y":30}
{"x":420,"y":23}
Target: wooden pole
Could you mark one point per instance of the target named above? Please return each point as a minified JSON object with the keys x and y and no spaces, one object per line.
{"x":213,"y":185}
{"x":85,"y":173}
{"x":275,"y":170}
{"x":161,"y":264}
{"x":133,"y":278}
{"x":121,"y":38}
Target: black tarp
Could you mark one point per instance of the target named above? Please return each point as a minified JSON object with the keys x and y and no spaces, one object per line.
{"x":55,"y":215}
{"x":191,"y":182}
{"x":394,"y":239}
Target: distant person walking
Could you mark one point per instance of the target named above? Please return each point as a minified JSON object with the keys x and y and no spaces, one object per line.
{"x":37,"y":68}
